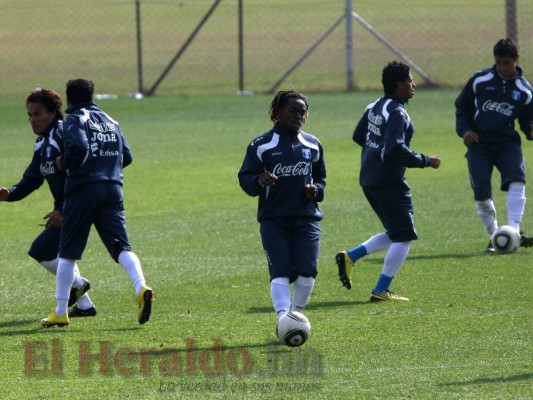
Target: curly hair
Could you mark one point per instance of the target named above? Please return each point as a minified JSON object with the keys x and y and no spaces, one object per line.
{"x":280,"y":100}
{"x":393,"y":73}
{"x":48,"y":98}
{"x":80,"y":91}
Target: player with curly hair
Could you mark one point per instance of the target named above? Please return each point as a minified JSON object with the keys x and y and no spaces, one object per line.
{"x":45,"y":115}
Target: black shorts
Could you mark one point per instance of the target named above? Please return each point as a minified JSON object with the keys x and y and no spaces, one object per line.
{"x":101,"y":204}
{"x":291,"y":247}
{"x":394,"y":207}
{"x":482,"y":158}
{"x":45,"y":246}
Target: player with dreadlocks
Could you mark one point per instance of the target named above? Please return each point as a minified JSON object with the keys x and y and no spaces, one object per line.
{"x":285,"y":168}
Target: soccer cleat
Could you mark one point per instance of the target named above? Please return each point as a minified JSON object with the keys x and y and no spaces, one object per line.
{"x":525,"y":241}
{"x":345,"y":265}
{"x":78,"y":312}
{"x":53,"y":320}
{"x":144,"y":303}
{"x":75,"y":294}
{"x":490,"y":248}
{"x":386,"y":295}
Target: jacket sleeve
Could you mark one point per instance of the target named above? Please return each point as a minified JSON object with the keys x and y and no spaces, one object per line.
{"x":396,"y":150}
{"x":76,"y":143}
{"x":249,"y":173}
{"x":361,"y":130}
{"x":32,"y":180}
{"x":127,"y":157}
{"x":465,"y":109}
{"x":319,"y":175}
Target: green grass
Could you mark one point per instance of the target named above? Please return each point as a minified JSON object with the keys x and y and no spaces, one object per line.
{"x":466,"y":333}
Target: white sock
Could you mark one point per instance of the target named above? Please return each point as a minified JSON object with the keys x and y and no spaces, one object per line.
{"x":516,"y":202}
{"x":50,"y":265}
{"x":64,"y":279}
{"x":303,"y":286}
{"x":280,"y":292}
{"x":84,"y":302}
{"x":131,"y":264}
{"x":395,"y":258}
{"x":378,"y":242}
{"x":487,"y":213}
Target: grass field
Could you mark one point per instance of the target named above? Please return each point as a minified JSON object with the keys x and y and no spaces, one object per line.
{"x":465,"y":334}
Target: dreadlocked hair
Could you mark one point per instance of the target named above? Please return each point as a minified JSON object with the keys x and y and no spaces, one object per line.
{"x":280,"y":100}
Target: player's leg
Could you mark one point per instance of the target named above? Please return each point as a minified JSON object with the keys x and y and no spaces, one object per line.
{"x":306,"y":235}
{"x":276,"y":244}
{"x":480,"y":166}
{"x":75,"y":228}
{"x":110,"y":224}
{"x":510,"y":162}
{"x":397,"y":215}
{"x":346,"y":259}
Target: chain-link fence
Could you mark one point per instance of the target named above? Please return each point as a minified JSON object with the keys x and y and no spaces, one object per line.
{"x":189,"y":47}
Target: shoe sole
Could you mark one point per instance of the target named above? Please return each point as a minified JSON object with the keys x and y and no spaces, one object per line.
{"x":341,"y":263}
{"x":148,"y":297}
{"x":374,"y":299}
{"x":61,"y":325}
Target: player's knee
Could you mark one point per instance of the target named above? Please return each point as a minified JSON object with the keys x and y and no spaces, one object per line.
{"x":306,"y":280}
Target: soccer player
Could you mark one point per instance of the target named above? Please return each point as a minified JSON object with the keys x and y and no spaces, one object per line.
{"x":486,"y":111}
{"x":45,"y":115}
{"x":95,"y":153}
{"x":285,"y":168}
{"x":384,"y":132}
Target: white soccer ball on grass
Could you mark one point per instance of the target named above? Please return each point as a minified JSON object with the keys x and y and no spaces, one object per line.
{"x":293,"y":329}
{"x":505,"y":239}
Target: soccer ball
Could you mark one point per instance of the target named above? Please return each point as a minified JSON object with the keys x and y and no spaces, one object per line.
{"x":293,"y":329}
{"x":505,"y":239}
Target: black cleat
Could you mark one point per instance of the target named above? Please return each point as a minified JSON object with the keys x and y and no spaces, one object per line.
{"x":345,"y":265}
{"x":78,"y":312}
{"x":490,"y":248}
{"x":525,"y":241}
{"x":75,"y":294}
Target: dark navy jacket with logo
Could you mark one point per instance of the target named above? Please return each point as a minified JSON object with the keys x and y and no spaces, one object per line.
{"x":48,"y":146}
{"x":490,"y":104}
{"x":385,"y":132}
{"x":95,"y":148}
{"x":296,"y":160}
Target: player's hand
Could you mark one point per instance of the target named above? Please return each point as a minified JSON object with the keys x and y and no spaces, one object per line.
{"x":310,"y":191}
{"x":434,"y":161}
{"x":470,"y":137}
{"x":54,"y":219}
{"x":266,"y":178}
{"x":530,"y":135}
{"x":4,"y":193}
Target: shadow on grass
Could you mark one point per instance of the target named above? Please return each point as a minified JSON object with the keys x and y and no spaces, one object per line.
{"x":313,"y":306}
{"x":499,"y":379}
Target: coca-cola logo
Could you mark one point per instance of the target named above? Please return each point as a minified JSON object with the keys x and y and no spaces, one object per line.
{"x":501,"y":108}
{"x":300,"y":168}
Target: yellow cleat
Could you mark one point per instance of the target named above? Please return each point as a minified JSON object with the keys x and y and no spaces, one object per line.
{"x":53,"y":320}
{"x":345,"y":265}
{"x":387,"y":295}
{"x":144,"y":304}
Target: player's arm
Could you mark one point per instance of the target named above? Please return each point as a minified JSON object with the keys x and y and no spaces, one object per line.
{"x":319,"y":178}
{"x":253,"y":178}
{"x":464,"y":114}
{"x":525,"y":119}
{"x":32,"y":180}
{"x":361,"y":130}
{"x":396,"y":150}
{"x":127,"y":156}
{"x":76,"y":144}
